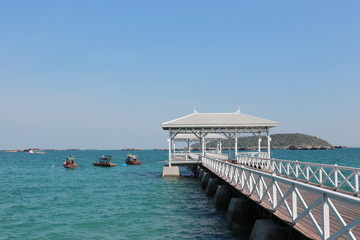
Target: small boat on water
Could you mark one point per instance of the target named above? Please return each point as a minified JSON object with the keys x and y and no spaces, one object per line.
{"x":104,"y":162}
{"x":132,"y":160}
{"x":35,"y":152}
{"x":70,"y":162}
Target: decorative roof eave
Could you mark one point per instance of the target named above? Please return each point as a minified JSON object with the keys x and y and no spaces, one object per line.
{"x":199,"y":126}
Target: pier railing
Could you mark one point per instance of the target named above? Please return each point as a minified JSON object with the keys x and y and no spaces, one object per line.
{"x":216,"y":155}
{"x":333,"y":176}
{"x":253,"y":154}
{"x":291,"y":200}
{"x":185,"y":156}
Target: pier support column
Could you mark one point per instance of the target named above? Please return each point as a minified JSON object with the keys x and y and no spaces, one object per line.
{"x":229,"y":139}
{"x":265,"y":229}
{"x":211,"y":187}
{"x":205,"y":179}
{"x":238,"y":211}
{"x":202,"y":146}
{"x":236,"y":145}
{"x":268,"y":145}
{"x":197,"y":170}
{"x":222,"y":197}
{"x":170,"y":143}
{"x":259,"y":144}
{"x":201,"y":171}
{"x":171,"y":171}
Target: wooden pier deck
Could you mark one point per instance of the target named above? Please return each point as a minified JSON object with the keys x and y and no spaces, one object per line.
{"x":304,"y":206}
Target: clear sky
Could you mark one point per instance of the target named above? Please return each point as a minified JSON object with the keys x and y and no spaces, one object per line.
{"x":106,"y":74}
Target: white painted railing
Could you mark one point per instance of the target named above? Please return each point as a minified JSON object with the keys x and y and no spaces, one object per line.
{"x":264,"y":188}
{"x":216,"y":155}
{"x":253,"y":154}
{"x":336,"y":177}
{"x":185,"y":156}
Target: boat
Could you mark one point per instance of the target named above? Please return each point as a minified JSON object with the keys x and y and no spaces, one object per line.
{"x":70,"y":162}
{"x":36,"y":152}
{"x":132,"y":160}
{"x":104,"y":162}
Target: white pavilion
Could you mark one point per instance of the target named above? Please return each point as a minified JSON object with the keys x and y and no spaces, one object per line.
{"x":203,"y":126}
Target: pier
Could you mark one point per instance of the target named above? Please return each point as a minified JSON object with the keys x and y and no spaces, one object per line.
{"x":318,"y":201}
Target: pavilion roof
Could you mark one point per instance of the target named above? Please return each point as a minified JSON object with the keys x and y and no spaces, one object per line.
{"x":218,"y":120}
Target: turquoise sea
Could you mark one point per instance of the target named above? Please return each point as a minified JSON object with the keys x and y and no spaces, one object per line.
{"x":40,"y":199}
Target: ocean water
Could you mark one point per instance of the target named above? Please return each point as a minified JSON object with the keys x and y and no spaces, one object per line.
{"x":40,"y":199}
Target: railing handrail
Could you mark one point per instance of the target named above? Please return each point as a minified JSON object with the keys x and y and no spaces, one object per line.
{"x":308,"y":163}
{"x":337,"y":177}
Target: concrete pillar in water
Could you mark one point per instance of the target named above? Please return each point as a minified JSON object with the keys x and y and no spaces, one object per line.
{"x":205,"y":179}
{"x":265,"y":229}
{"x":211,"y":187}
{"x":201,"y":171}
{"x":222,"y":197}
{"x":197,"y":170}
{"x":171,"y":171}
{"x":238,"y":211}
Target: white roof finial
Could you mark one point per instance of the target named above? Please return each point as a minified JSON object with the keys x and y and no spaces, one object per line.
{"x":238,"y":111}
{"x":195,"y":110}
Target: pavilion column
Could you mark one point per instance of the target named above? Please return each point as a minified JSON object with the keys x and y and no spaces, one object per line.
{"x":268,"y":146}
{"x":236,"y":145}
{"x":220,"y":146}
{"x":259,"y":144}
{"x":202,"y":146}
{"x":229,"y":157}
{"x":188,"y":142}
{"x":170,"y":144}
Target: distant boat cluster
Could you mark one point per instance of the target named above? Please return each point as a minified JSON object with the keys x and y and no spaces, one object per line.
{"x":130,"y":149}
{"x":104,"y":161}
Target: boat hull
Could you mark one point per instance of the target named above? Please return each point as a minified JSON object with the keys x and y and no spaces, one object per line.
{"x":133,"y":163}
{"x":69,"y":165}
{"x":104,"y":164}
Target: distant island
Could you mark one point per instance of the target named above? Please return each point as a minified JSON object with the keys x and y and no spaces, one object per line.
{"x":292,"y":141}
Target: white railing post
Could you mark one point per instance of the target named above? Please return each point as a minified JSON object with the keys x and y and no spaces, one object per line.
{"x":288,"y":169}
{"x":261,"y":191}
{"x":293,"y":203}
{"x":296,"y":169}
{"x":320,"y":175}
{"x":307,"y":173}
{"x":356,"y":182}
{"x":280,"y":169}
{"x":335,"y":175}
{"x":274,"y":193}
{"x":325,"y":218}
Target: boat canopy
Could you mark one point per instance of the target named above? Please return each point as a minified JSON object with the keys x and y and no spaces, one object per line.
{"x":132,"y":156}
{"x":105,"y":158}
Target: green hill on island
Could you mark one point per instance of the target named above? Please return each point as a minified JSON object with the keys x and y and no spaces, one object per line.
{"x":283,"y":140}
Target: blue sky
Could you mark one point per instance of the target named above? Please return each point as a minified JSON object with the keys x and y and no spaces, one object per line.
{"x":106,"y":74}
